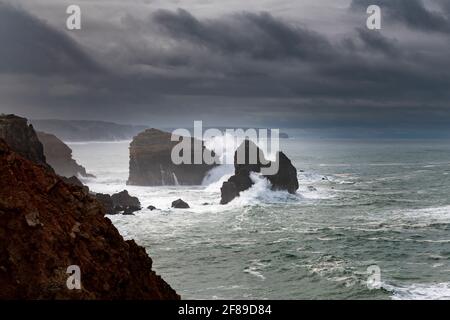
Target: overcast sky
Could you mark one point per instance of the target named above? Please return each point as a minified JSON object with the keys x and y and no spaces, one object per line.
{"x":278,"y":63}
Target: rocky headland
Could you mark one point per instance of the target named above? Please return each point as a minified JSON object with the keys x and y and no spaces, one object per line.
{"x":48,"y":226}
{"x":59,"y":156}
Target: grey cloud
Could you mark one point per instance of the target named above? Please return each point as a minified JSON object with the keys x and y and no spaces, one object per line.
{"x":29,"y":45}
{"x":172,"y":66}
{"x":413,"y":13}
{"x":260,"y":36}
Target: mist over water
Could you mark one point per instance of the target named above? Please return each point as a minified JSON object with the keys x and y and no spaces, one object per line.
{"x":382,"y":203}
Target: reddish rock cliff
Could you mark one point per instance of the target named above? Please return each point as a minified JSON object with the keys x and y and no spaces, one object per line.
{"x":47,"y":225}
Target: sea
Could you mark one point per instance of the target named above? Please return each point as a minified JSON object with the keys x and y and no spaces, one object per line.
{"x":362,"y":205}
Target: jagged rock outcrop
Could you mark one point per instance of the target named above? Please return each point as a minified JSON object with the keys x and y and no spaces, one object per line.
{"x":22,"y":138}
{"x":151,"y":163}
{"x":47,"y":225}
{"x":59,"y":156}
{"x":120,"y":202}
{"x":284,"y":179}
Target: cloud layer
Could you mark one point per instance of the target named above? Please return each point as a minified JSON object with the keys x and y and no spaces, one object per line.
{"x":171,"y":66}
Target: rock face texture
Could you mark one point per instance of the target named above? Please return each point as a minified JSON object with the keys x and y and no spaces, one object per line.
{"x":59,"y":156}
{"x":151,"y":163}
{"x":22,"y":138}
{"x":284,"y":179}
{"x":47,"y":225}
{"x":120,"y":202}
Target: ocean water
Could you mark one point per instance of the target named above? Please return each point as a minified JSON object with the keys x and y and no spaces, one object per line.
{"x":382,"y":203}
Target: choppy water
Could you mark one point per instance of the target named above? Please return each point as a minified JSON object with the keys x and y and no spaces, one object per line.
{"x":377,"y":203}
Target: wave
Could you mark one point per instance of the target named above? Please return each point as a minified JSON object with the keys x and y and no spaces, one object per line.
{"x":261,"y":193}
{"x":420,"y":291}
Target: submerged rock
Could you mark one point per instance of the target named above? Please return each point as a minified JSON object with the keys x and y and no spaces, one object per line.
{"x":180,"y":204}
{"x":151,"y":163}
{"x":284,"y":179}
{"x":47,"y":225}
{"x":59,"y":156}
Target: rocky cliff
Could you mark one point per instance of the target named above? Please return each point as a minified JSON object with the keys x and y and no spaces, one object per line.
{"x":284,"y":179}
{"x":22,"y":138}
{"x":47,"y":225}
{"x":59,"y":156}
{"x":151,"y":163}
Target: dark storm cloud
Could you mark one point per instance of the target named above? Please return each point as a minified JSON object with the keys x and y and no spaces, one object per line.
{"x":412,"y":13}
{"x":375,"y":41}
{"x":259,"y":36}
{"x":171,"y":66}
{"x":29,"y":45}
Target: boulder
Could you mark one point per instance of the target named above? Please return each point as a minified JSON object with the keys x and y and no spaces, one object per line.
{"x":120,"y":202}
{"x":47,"y":225}
{"x":151,"y":163}
{"x":59,"y":156}
{"x":284,"y":179}
{"x":180,"y":204}
{"x":124,"y":200}
{"x":151,"y":208}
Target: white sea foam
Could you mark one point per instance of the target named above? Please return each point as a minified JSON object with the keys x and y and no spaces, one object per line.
{"x":420,"y":291}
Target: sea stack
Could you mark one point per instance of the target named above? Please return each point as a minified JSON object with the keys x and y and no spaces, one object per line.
{"x":284,"y":179}
{"x":59,"y":156}
{"x":151,"y":163}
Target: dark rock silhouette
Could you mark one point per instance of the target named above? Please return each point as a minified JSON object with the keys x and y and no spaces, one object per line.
{"x":245,"y":163}
{"x":151,"y":208}
{"x":120,"y":202}
{"x":151,"y":163}
{"x":22,"y":138}
{"x":47,"y":225}
{"x":59,"y":156}
{"x":180,"y":204}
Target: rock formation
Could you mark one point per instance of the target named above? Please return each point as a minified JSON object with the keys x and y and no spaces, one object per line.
{"x":47,"y":225}
{"x":22,"y":138}
{"x":284,"y":179}
{"x":120,"y":202}
{"x":151,"y":163}
{"x":59,"y":156}
{"x":180,"y":204}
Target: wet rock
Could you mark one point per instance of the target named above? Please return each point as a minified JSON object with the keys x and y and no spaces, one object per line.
{"x":311,"y":188}
{"x":151,"y":208}
{"x":180,"y":204}
{"x":151,"y":163}
{"x":284,"y":179}
{"x":120,"y":202}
